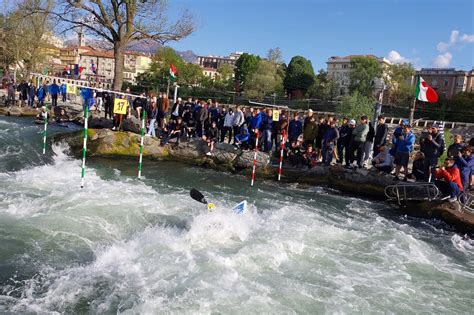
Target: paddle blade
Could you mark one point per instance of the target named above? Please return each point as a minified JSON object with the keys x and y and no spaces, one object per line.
{"x":196,"y":195}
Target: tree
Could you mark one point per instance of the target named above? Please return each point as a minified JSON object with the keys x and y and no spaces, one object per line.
{"x":244,"y":67}
{"x":364,"y":72}
{"x":120,"y":23}
{"x":275,"y":55}
{"x":355,"y":105}
{"x":21,"y":30}
{"x":299,"y":76}
{"x":324,"y":87}
{"x":401,"y":91}
{"x":224,"y":80}
{"x":264,"y":81}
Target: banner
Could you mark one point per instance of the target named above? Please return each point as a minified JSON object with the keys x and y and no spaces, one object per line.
{"x":120,"y":106}
{"x":70,"y":89}
{"x":276,"y":115}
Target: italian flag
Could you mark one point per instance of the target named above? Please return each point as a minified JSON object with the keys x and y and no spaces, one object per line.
{"x":424,"y":92}
{"x":173,"y":72}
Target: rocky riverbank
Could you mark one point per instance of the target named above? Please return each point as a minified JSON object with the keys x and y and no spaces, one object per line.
{"x":361,"y":182}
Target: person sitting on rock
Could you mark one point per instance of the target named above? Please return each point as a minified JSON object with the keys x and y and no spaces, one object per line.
{"x":295,"y":155}
{"x":211,"y":137}
{"x":62,"y":117}
{"x":189,"y":125}
{"x":383,"y":161}
{"x":174,"y":130}
{"x":465,"y":163}
{"x":41,"y":115}
{"x":310,"y":156}
{"x":242,"y":139}
{"x":418,"y":168}
{"x":448,"y":179}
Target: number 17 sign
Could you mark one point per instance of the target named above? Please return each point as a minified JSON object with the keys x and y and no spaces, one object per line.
{"x":120,"y":106}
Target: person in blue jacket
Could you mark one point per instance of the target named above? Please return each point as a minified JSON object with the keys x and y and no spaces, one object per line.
{"x":54,"y":91}
{"x":403,"y":146}
{"x":295,"y":128}
{"x":465,"y":163}
{"x":267,"y":124}
{"x":255,"y":122}
{"x":242,"y":139}
{"x":41,"y":94}
{"x":62,"y":90}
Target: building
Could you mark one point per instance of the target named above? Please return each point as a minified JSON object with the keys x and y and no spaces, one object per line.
{"x":338,"y":69}
{"x":104,"y":61}
{"x":210,"y":64}
{"x":448,"y":82}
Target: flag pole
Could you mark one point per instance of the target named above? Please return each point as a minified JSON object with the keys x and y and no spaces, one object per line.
{"x":45,"y":127}
{"x":254,"y":159}
{"x":413,"y":104}
{"x":84,"y":147}
{"x":141,"y":145}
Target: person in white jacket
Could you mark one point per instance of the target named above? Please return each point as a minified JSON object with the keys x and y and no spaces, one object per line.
{"x":239,"y":120}
{"x":228,"y":125}
{"x":383,"y":162}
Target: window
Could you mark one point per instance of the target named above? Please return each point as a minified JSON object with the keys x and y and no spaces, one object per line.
{"x":446,"y":82}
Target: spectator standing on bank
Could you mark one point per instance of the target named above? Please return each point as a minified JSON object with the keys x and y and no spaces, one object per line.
{"x":295,"y":128}
{"x":329,"y":142}
{"x":228,"y":126}
{"x":31,"y":95}
{"x":163,"y":107}
{"x":238,"y":121}
{"x":267,"y":125}
{"x":368,"y":145}
{"x":359,"y":135}
{"x":381,"y":133}
{"x":432,"y":147}
{"x":310,"y":131}
{"x":404,"y":146}
{"x":54,"y":90}
{"x":345,"y":133}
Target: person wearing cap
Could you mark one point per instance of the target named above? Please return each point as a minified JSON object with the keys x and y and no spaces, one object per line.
{"x":403,"y":147}
{"x":432,"y":147}
{"x":448,"y":179}
{"x":359,"y":135}
{"x":381,"y":133}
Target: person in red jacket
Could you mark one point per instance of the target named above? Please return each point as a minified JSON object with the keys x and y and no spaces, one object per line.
{"x":448,"y":179}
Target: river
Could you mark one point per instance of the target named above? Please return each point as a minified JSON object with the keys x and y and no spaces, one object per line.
{"x":123,"y":245}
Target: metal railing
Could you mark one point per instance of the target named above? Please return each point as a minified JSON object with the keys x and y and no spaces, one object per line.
{"x":412,"y":191}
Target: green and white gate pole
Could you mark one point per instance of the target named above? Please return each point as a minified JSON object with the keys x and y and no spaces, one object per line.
{"x":141,"y":145}
{"x":45,"y":128}
{"x":84,"y":147}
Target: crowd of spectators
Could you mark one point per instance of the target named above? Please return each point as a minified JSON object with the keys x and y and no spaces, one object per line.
{"x":307,"y":140}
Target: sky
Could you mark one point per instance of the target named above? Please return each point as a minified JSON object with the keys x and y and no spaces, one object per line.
{"x":425,"y":33}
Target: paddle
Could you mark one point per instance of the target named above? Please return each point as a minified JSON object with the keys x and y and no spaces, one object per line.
{"x":198,"y":196}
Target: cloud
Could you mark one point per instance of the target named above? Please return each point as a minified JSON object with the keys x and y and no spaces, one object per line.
{"x":395,"y":57}
{"x":442,"y":61}
{"x":455,"y":38}
{"x":465,"y":38}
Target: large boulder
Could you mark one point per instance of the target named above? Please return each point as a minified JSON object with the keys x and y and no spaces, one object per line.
{"x":132,"y":124}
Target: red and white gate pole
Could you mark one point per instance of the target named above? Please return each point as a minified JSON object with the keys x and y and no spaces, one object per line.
{"x":254,"y":159}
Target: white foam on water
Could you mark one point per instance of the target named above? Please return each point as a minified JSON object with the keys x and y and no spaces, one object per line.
{"x":154,"y":252}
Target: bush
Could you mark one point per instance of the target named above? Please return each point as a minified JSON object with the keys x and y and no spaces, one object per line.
{"x":356,"y":105}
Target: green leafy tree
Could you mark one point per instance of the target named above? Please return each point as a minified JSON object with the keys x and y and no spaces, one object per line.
{"x":400,"y":89}
{"x":299,"y":76}
{"x":364,"y":72}
{"x":356,"y":105}
{"x":324,"y":87}
{"x":244,"y":67}
{"x":264,"y":81}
